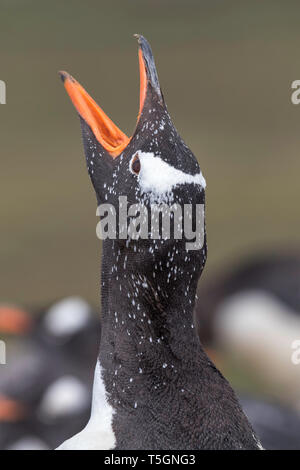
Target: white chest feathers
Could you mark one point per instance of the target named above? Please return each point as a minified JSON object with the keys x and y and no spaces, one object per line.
{"x":98,"y":433}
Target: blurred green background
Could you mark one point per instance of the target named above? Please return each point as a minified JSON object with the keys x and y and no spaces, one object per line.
{"x":226,"y":70}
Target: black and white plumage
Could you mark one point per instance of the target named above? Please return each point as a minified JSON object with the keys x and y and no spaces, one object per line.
{"x":46,"y":386}
{"x":154,"y":386}
{"x":252,"y":313}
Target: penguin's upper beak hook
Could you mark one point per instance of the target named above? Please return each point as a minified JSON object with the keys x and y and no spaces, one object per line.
{"x":106,"y":132}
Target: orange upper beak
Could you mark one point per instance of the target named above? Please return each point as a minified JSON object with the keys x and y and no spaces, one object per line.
{"x":106,"y":132}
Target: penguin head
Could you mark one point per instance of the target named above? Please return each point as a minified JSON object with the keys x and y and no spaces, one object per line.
{"x":154,"y":166}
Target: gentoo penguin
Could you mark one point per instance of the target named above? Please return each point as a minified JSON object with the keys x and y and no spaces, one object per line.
{"x":154,"y":386}
{"x":251,"y":315}
{"x":46,"y":386}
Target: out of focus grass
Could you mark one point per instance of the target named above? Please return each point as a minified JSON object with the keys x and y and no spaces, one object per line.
{"x":225,"y":69}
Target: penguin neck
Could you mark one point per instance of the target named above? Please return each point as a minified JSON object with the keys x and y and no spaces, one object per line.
{"x":144,"y":307}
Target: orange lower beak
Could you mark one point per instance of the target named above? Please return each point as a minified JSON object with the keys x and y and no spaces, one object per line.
{"x":106,"y":132}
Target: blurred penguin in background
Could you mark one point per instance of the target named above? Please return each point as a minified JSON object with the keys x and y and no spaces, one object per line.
{"x":46,"y":385}
{"x":250,"y":326}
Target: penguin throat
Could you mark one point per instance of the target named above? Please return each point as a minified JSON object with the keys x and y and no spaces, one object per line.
{"x":143,"y":308}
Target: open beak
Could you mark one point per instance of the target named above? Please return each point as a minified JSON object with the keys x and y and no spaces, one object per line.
{"x":112,"y":139}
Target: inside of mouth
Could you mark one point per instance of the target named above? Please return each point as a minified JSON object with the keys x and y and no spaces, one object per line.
{"x":106,"y":132}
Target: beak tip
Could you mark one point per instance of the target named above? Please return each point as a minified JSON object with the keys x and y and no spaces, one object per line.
{"x":142,"y":41}
{"x":149,"y":63}
{"x":65,"y":76}
{"x":137,"y":36}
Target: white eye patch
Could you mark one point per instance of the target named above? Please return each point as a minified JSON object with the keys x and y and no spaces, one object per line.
{"x":158,"y":177}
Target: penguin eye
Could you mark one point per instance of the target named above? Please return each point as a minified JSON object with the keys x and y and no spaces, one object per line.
{"x":136,"y":164}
